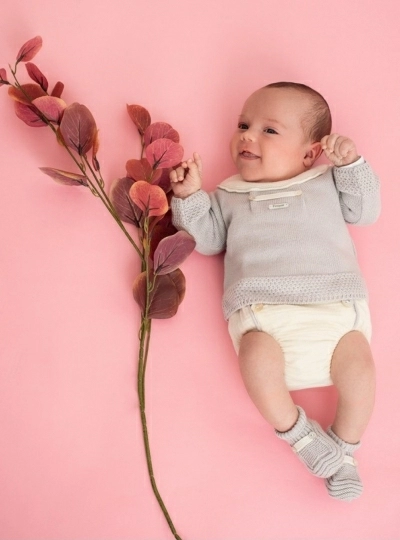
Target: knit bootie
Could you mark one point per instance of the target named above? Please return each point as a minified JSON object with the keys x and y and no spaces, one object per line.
{"x":319,"y":452}
{"x":345,"y":484}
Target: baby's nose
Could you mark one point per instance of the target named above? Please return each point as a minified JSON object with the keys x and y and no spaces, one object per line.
{"x":247,"y":135}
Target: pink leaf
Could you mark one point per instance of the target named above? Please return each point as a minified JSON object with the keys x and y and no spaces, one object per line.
{"x":51,"y":107}
{"x":126,"y":209}
{"x":150,"y":199}
{"x":27,"y":93}
{"x":160,"y":130}
{"x":140,"y":117}
{"x":78,"y":128}
{"x":172,"y":251}
{"x":140,"y":169}
{"x":164,"y":153}
{"x":28,"y":114}
{"x":3,"y":77}
{"x":36,"y":75}
{"x":65,"y":177}
{"x":58,"y":89}
{"x":166,"y":296}
{"x":29,"y":49}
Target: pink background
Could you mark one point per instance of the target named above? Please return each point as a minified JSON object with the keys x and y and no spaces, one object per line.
{"x":72,"y":463}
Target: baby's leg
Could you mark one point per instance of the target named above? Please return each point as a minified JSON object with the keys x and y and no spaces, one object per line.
{"x":262,"y":367}
{"x":353,"y":374}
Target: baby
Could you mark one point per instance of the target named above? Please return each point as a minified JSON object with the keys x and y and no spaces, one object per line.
{"x":294,"y":296}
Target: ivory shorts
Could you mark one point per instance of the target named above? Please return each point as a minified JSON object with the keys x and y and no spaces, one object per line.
{"x":307,"y":334}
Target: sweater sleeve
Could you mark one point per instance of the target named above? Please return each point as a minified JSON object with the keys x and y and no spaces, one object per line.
{"x":200,"y":215}
{"x":359,"y":193}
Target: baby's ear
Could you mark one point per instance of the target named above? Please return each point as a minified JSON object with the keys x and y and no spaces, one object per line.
{"x":312,"y":154}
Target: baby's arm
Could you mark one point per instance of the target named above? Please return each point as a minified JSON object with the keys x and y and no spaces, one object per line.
{"x":356,"y":182}
{"x":195,"y":211}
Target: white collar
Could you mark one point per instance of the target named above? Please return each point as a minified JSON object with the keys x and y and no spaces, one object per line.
{"x":237,"y":185}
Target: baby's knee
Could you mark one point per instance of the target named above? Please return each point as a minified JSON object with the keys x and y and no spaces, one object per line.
{"x":260,"y":351}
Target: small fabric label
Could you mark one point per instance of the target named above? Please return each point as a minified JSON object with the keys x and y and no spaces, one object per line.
{"x":278,"y":205}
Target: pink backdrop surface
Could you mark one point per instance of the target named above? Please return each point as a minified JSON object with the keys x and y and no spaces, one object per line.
{"x":72,"y":463}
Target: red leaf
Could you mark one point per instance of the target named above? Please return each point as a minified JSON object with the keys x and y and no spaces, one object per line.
{"x":64,"y":177}
{"x":164,"y":299}
{"x":78,"y":128}
{"x":164,"y":153}
{"x":160,"y":130}
{"x":172,"y":251}
{"x":161,"y":229}
{"x":51,"y":107}
{"x":28,"y":114}
{"x":95,"y":149}
{"x":126,"y":209}
{"x":36,"y":75}
{"x":27,"y":93}
{"x":140,"y":169}
{"x":29,"y":49}
{"x":3,"y":77}
{"x":163,"y":179}
{"x":58,"y":89}
{"x":150,"y":199}
{"x":180,"y":283}
{"x":140,"y":117}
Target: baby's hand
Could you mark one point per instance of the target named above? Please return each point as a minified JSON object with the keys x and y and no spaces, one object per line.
{"x":186,"y":179}
{"x":340,"y":150}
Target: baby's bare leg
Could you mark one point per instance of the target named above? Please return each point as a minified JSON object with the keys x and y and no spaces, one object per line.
{"x":353,"y":374}
{"x":262,"y":367}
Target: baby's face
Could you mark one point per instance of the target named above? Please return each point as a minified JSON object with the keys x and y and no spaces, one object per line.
{"x":269,"y":143}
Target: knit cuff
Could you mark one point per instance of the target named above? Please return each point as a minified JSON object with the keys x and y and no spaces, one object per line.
{"x":190,"y":208}
{"x":349,"y":448}
{"x":297,"y":431}
{"x":356,"y":180}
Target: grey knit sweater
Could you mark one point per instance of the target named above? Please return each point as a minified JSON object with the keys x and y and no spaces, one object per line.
{"x":286,"y":242}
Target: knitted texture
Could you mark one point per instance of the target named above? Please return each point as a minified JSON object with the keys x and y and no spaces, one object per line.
{"x":345,"y":484}
{"x":322,"y":456}
{"x":285,"y":242}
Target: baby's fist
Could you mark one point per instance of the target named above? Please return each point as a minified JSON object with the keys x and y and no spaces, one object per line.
{"x":186,"y":179}
{"x":339,"y":150}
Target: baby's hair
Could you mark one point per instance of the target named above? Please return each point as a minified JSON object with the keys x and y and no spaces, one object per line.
{"x":318,"y":122}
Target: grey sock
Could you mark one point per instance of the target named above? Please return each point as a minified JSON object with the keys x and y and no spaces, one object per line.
{"x":345,"y":484}
{"x":319,"y":452}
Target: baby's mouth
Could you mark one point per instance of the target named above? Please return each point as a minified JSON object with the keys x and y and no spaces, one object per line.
{"x":247,"y":155}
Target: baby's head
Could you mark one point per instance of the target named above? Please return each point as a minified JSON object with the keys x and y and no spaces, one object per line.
{"x":279,"y":132}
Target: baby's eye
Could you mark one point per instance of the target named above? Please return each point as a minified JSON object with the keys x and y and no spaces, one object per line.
{"x":243,"y":126}
{"x":270,"y":130}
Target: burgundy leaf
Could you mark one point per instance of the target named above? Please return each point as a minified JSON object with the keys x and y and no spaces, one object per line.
{"x":164,"y":299}
{"x":180,"y":283}
{"x":3,"y":77}
{"x":172,"y":251}
{"x":65,"y":177}
{"x":51,"y":107}
{"x":36,"y":75}
{"x":126,"y":209}
{"x":160,"y":130}
{"x":140,"y":117}
{"x":27,"y":93}
{"x":58,"y":89}
{"x":28,"y":114}
{"x":150,"y":199}
{"x":78,"y":128}
{"x":161,"y":229}
{"x":140,"y":169}
{"x":164,"y":153}
{"x":29,"y":49}
{"x":95,"y":149}
{"x":162,"y":179}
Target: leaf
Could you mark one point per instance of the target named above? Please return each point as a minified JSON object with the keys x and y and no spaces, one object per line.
{"x":95,"y":149}
{"x":126,"y":209}
{"x":140,"y":169}
{"x":150,"y":199}
{"x":29,"y":49}
{"x":51,"y":107}
{"x":161,"y":229}
{"x":163,"y":179}
{"x":172,"y":251}
{"x":3,"y":77}
{"x":36,"y":75}
{"x":58,"y":89}
{"x":27,"y":93}
{"x":166,"y":296}
{"x":28,"y":114}
{"x":78,"y":128}
{"x":64,"y":177}
{"x":140,"y":117}
{"x":160,"y":130}
{"x":164,"y":153}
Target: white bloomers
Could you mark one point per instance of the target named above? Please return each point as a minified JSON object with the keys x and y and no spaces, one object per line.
{"x":308,"y":335}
